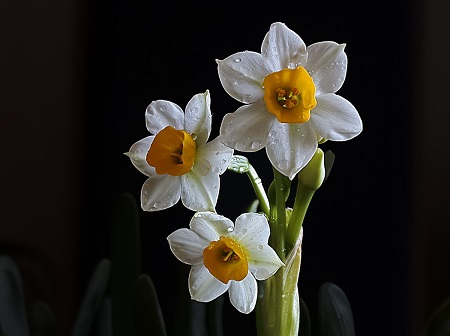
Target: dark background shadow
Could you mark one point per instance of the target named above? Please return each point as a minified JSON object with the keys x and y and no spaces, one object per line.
{"x":77,"y":77}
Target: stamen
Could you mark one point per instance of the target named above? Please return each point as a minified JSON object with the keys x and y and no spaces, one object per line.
{"x":290,"y":95}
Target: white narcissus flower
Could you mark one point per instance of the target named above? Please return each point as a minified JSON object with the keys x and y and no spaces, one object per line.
{"x":225,"y":257}
{"x":177,"y":158}
{"x":289,"y":92}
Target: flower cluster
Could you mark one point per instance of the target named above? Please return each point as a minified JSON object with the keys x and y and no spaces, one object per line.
{"x":290,"y":106}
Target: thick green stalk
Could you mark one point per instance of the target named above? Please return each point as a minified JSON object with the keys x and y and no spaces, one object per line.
{"x":278,"y":305}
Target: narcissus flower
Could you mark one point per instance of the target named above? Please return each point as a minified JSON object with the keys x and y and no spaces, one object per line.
{"x":226,"y":257}
{"x":177,"y":158}
{"x":289,"y":92}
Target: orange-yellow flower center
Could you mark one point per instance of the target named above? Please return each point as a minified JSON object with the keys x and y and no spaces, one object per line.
{"x":290,"y":94}
{"x":172,"y":152}
{"x":226,"y":260}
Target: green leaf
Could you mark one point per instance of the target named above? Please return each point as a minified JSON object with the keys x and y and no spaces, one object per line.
{"x":13,"y":313}
{"x":42,"y":320}
{"x":439,"y":322}
{"x":335,"y":314}
{"x":92,"y":299}
{"x":149,"y":317}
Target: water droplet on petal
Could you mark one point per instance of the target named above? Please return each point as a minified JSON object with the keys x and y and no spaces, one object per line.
{"x":240,"y":145}
{"x":256,"y":144}
{"x":283,"y":164}
{"x":247,"y":98}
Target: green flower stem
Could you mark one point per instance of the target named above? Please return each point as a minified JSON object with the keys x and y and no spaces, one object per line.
{"x":310,"y":178}
{"x":303,"y":197}
{"x":278,"y":215}
{"x":259,"y":190}
{"x":240,"y":164}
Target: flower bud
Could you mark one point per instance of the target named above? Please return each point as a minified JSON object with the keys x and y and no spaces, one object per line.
{"x":313,"y":174}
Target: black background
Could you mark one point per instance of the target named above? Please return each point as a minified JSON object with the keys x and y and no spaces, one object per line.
{"x":376,"y":228}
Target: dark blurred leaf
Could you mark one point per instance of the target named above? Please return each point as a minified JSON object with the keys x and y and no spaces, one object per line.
{"x":149,"y":317}
{"x":103,"y":325}
{"x":125,"y":257}
{"x":335,"y":315}
{"x":13,"y":314}
{"x":305,"y":320}
{"x":439,"y":322}
{"x":93,"y":298}
{"x":42,"y":320}
{"x":214,"y":317}
{"x":328,"y":163}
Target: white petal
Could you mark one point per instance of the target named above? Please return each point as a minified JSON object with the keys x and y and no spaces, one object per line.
{"x":335,"y":118}
{"x":200,"y":192}
{"x":211,"y":226}
{"x":283,"y":48}
{"x":242,"y":74}
{"x":197,"y":120}
{"x":138,"y":154}
{"x":203,"y":286}
{"x":247,"y":128}
{"x":327,"y":65}
{"x":252,"y":228}
{"x":290,"y":147}
{"x":187,"y":246}
{"x":160,"y":192}
{"x":263,"y":261}
{"x":162,"y":113}
{"x":243,"y":294}
{"x":216,"y":154}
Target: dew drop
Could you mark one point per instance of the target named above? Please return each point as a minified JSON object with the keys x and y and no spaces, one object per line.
{"x":237,"y":60}
{"x":283,"y":164}
{"x":247,"y":98}
{"x":256,"y":144}
{"x":240,"y":145}
{"x":215,"y":170}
